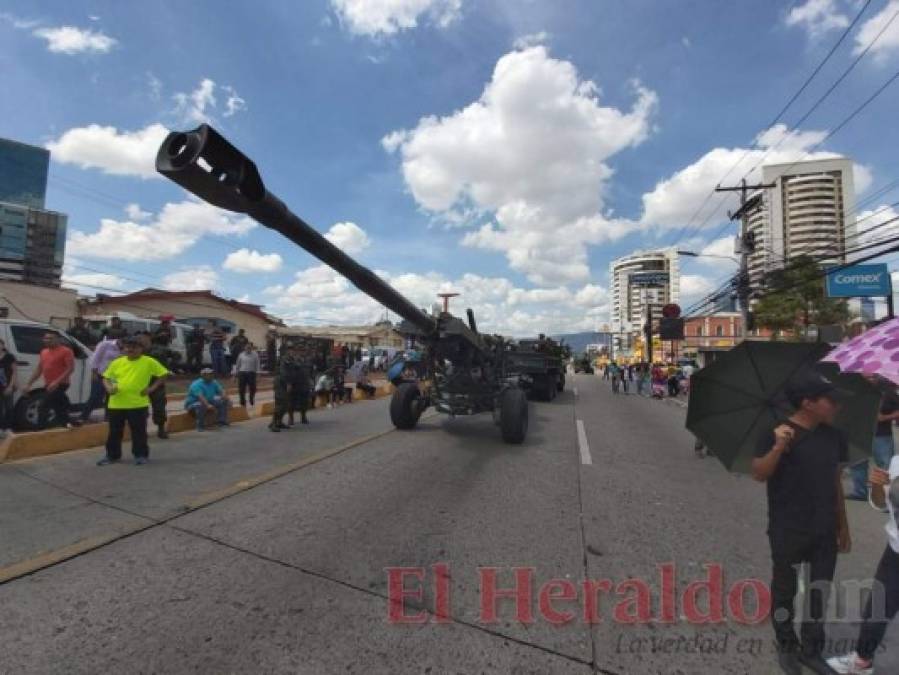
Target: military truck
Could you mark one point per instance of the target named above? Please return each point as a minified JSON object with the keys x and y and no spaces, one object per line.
{"x":540,"y":366}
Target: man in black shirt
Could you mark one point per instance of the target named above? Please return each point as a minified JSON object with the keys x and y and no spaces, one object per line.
{"x":801,"y":462}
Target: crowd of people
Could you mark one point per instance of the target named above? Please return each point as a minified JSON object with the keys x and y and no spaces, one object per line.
{"x":658,"y":380}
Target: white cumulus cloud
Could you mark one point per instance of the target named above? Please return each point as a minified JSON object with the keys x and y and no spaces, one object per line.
{"x":888,"y":43}
{"x":349,"y":237}
{"x":73,"y":40}
{"x":674,"y":200}
{"x":245,"y":261}
{"x":202,"y":104}
{"x":201,"y":278}
{"x":176,"y":228}
{"x":318,"y":294}
{"x":387,"y":17}
{"x":817,"y":17}
{"x":125,"y":153}
{"x":532,"y":152}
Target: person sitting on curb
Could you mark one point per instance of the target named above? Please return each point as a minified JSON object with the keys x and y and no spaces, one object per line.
{"x":205,"y":393}
{"x":323,"y":388}
{"x":364,"y":383}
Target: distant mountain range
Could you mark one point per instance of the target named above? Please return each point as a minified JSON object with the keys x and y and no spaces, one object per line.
{"x":579,"y":341}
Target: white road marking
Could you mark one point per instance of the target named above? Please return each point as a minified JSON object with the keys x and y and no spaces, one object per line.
{"x":582,"y":444}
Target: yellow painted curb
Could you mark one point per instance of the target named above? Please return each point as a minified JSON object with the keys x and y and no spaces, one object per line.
{"x":53,"y":441}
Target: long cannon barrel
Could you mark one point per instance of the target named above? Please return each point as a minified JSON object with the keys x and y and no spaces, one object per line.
{"x":204,"y":163}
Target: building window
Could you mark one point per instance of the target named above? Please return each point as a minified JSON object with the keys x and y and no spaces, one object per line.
{"x":698,"y":331}
{"x":719,"y":331}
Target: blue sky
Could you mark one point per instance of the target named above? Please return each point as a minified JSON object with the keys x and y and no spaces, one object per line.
{"x":505,"y":149}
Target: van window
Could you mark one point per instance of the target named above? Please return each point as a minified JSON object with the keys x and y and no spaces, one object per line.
{"x":30,"y":340}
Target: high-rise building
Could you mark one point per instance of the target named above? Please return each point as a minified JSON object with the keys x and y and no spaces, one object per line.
{"x":809,"y":211}
{"x":23,"y":173}
{"x":639,"y":280}
{"x":32,"y":239}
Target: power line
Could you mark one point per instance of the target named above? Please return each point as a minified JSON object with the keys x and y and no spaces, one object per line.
{"x":827,"y":93}
{"x":774,"y":121}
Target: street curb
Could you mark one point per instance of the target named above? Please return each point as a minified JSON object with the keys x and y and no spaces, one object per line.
{"x":55,"y":441}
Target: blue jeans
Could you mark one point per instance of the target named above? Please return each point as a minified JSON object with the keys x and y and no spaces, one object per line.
{"x":95,"y":400}
{"x":883,"y":453}
{"x":199,"y":409}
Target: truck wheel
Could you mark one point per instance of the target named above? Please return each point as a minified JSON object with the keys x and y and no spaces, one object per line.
{"x":26,"y":414}
{"x":560,"y":385}
{"x":513,"y":415}
{"x":404,"y":406}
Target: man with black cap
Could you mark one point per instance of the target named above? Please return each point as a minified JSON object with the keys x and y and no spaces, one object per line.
{"x":801,"y":462}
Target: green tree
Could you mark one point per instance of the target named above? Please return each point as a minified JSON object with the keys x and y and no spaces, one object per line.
{"x":795,"y":298}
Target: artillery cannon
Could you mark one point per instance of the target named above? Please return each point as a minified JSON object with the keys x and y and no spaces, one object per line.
{"x":469,"y":372}
{"x":540,"y":365}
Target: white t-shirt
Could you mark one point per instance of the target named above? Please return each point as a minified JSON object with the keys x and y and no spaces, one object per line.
{"x":892,"y":527}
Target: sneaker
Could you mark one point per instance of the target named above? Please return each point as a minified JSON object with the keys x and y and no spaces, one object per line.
{"x":851,"y":664}
{"x":140,"y":461}
{"x":274,"y":428}
{"x":224,"y":424}
{"x":106,"y":461}
{"x":816,"y":663}
{"x":789,"y":663}
{"x":162,"y":434}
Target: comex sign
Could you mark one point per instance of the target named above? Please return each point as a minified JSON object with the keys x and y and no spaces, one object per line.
{"x":859,"y":281}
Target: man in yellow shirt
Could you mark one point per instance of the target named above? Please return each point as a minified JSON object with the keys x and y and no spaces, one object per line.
{"x":128,"y":381}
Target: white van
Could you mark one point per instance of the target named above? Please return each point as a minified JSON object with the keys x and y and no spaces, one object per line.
{"x":24,"y":340}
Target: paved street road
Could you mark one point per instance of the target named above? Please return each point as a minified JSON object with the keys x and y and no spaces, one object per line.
{"x":245,"y":551}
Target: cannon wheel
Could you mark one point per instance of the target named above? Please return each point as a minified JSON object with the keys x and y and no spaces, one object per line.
{"x":404,"y":406}
{"x":513,"y":415}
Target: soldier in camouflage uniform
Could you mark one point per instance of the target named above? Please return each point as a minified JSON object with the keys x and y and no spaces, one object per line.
{"x":158,"y":400}
{"x":280,"y":388}
{"x":299,"y":377}
{"x":291,"y":386}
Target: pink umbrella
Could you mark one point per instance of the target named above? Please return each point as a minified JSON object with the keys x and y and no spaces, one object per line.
{"x":873,"y":352}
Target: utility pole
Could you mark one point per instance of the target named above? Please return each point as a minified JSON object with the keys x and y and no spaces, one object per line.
{"x":647,"y":332}
{"x":747,"y":244}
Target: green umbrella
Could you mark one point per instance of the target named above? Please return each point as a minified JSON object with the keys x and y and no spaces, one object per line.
{"x":858,"y":417}
{"x":740,"y":396}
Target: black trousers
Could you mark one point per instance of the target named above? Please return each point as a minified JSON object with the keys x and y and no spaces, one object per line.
{"x":298,"y":399}
{"x":57,"y":401}
{"x":136,"y":419}
{"x":788,"y":550}
{"x":246,"y":381}
{"x":158,"y":403}
{"x":885,"y":598}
